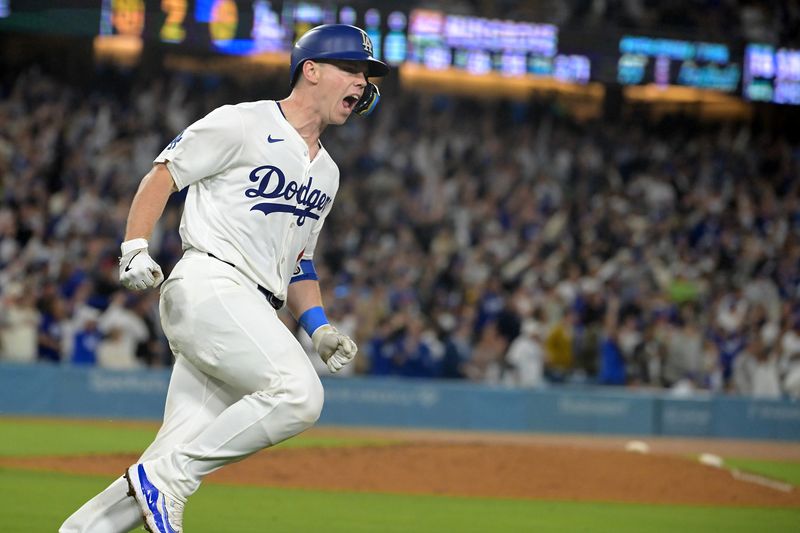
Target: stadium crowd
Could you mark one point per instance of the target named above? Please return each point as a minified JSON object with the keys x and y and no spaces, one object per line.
{"x":498,"y":242}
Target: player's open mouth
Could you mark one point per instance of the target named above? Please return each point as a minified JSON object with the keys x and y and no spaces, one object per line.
{"x":350,"y":102}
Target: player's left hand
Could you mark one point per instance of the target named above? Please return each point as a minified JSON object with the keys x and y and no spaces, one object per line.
{"x":138,"y":271}
{"x":335,"y":348}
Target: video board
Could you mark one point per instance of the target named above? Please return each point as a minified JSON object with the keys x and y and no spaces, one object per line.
{"x":480,"y":46}
{"x":645,"y":60}
{"x":247,"y":27}
{"x":771,"y":75}
{"x":432,"y":38}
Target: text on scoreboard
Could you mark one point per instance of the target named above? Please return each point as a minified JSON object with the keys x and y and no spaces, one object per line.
{"x":771,"y":75}
{"x":645,"y":60}
{"x":480,"y":46}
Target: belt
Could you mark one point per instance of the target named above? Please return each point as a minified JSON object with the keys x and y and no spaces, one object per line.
{"x":273,"y":300}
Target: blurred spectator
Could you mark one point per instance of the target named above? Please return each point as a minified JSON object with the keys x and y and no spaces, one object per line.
{"x":420,"y":354}
{"x":116,"y":351}
{"x":123,"y":330}
{"x":525,"y":357}
{"x":684,"y":351}
{"x":558,"y":348}
{"x":150,"y":348}
{"x":383,"y":349}
{"x":756,"y":372}
{"x":19,"y":325}
{"x":457,"y":348}
{"x":612,"y":369}
{"x":51,"y":328}
{"x":87,"y":338}
{"x":490,"y":363}
{"x":790,"y":358}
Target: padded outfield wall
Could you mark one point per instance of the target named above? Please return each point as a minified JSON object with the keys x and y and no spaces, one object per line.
{"x":68,"y":391}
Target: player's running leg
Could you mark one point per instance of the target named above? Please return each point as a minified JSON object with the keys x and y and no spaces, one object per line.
{"x":233,"y":334}
{"x":193,"y":401}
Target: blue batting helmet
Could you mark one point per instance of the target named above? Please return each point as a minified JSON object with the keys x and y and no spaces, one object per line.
{"x":336,"y":41}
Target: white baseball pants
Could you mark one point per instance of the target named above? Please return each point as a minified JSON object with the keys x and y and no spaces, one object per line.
{"x":241,"y":382}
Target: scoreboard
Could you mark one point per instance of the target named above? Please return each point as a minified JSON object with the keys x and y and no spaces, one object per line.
{"x":645,"y":60}
{"x":479,"y":46}
{"x":771,"y":75}
{"x":230,"y":26}
{"x":428,"y":38}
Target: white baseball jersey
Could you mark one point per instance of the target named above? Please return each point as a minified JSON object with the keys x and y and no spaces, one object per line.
{"x":254,"y":199}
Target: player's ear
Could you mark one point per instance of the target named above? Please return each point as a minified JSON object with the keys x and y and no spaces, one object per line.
{"x":311,"y":71}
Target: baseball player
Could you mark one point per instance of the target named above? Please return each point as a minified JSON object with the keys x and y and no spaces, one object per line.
{"x":260,"y":185}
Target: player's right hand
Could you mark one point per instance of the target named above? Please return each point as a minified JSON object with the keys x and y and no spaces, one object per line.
{"x":137,"y":270}
{"x":335,"y":348}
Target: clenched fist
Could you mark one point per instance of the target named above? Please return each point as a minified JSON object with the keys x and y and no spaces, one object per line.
{"x":333,"y":347}
{"x":137,"y":270}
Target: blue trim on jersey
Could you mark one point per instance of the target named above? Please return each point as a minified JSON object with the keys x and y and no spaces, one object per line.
{"x":312,"y":319}
{"x":305,"y":270}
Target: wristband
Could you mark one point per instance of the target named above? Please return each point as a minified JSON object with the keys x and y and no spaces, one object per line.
{"x":312,"y":319}
{"x":133,"y":244}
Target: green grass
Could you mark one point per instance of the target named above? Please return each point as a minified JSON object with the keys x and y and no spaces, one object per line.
{"x":57,"y":437}
{"x":782,"y":470}
{"x":41,"y":501}
{"x":35,"y":502}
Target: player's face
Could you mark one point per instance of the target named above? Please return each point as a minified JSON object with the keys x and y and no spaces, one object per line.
{"x":342,"y":84}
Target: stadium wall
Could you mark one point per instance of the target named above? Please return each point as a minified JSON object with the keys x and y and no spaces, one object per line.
{"x":69,"y":391}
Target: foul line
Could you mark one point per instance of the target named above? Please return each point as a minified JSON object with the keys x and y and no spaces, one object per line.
{"x":761,"y":480}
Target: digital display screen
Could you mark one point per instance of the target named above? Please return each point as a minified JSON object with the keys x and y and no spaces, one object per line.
{"x":645,"y":60}
{"x":347,"y":15}
{"x":396,"y":43}
{"x":372,"y":25}
{"x":243,"y":27}
{"x":771,"y":75}
{"x":479,"y":46}
{"x":124,"y":17}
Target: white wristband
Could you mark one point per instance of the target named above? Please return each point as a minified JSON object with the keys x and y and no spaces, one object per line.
{"x":133,"y":244}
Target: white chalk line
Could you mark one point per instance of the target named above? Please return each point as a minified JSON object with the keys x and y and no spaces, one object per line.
{"x":761,"y":480}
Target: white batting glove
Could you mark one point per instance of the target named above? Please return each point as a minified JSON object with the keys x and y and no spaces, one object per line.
{"x":137,"y":270}
{"x":333,"y":347}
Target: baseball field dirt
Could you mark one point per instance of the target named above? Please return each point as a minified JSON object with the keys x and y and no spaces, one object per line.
{"x":568,"y":468}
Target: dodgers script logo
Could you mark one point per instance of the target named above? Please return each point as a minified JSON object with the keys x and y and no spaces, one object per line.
{"x":272,"y":184}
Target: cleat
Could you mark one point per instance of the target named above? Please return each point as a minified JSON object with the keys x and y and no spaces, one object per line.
{"x":161,"y":512}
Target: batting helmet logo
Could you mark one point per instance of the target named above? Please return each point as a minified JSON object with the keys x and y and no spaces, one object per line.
{"x":366,"y":42}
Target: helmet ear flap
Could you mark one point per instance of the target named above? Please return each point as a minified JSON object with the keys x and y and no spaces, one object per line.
{"x":368,"y":101}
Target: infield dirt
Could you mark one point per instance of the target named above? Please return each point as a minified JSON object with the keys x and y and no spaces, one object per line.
{"x":503,"y":466}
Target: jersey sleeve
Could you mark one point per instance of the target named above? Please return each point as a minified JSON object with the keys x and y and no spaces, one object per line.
{"x":205,"y":148}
